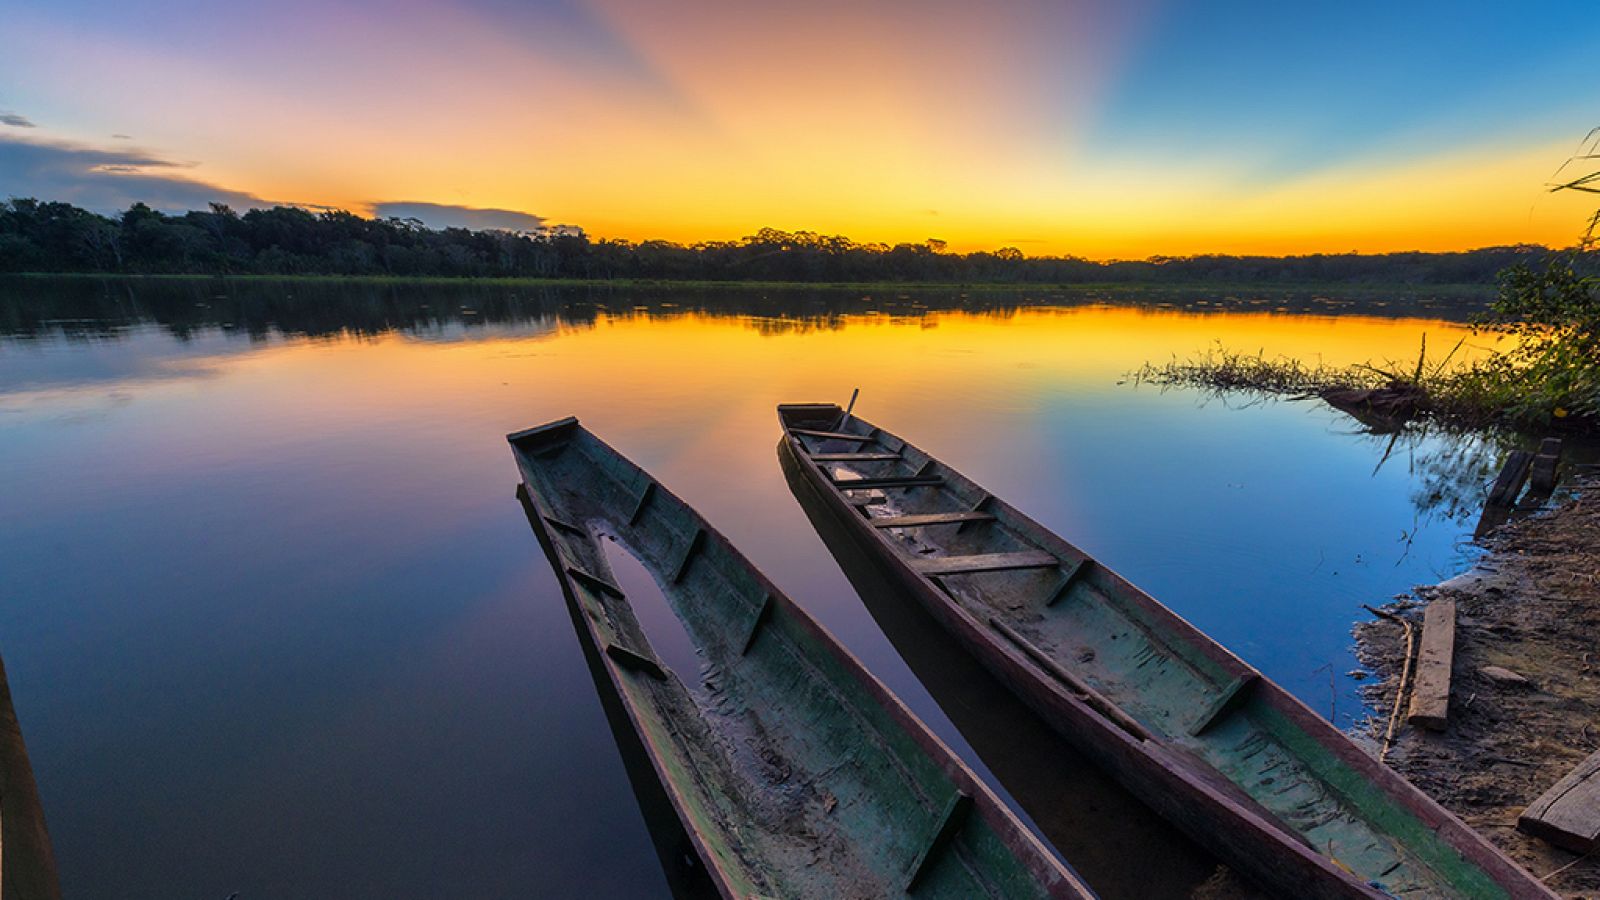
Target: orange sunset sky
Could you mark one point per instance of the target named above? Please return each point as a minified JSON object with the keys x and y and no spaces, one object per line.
{"x":1095,"y":129}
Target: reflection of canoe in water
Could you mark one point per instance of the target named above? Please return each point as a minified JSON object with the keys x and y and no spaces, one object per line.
{"x":794,"y":772}
{"x":27,"y":867}
{"x":1223,"y":752}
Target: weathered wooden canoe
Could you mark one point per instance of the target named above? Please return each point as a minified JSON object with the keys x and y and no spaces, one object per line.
{"x":27,"y":865}
{"x":1027,"y":758}
{"x":794,"y":772}
{"x":1226,"y":754}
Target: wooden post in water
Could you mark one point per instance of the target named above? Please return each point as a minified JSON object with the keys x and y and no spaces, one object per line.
{"x":1509,"y":484}
{"x":27,"y":866}
{"x":1542,"y":475}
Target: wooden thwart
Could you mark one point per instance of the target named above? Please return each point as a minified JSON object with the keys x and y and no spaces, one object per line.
{"x":919,"y":519}
{"x":854,"y":457}
{"x":985,"y":562}
{"x":1568,"y":815}
{"x":896,"y":481}
{"x":1430,"y":699}
{"x":947,"y":826}
{"x":833,"y":435}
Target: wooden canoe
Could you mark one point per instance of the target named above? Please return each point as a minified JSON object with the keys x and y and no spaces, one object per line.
{"x":1223,"y":752}
{"x":27,"y":865}
{"x":792,"y":770}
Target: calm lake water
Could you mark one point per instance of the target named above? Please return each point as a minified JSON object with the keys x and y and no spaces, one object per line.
{"x":276,"y":624}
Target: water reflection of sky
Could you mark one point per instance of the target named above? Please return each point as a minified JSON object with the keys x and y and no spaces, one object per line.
{"x":276,"y":624}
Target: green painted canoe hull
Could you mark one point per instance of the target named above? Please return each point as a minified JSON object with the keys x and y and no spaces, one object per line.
{"x":1224,"y":753}
{"x":792,"y":770}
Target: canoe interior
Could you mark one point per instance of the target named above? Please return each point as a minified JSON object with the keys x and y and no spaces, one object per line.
{"x":793,"y":771}
{"x":1179,"y":689}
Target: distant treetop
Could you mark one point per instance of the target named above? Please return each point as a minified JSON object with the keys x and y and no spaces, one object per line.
{"x":43,"y":236}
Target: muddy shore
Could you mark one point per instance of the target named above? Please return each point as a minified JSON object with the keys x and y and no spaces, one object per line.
{"x":1532,"y":606}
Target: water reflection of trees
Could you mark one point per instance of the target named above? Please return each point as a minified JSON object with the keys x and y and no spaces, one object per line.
{"x":100,"y":308}
{"x":1450,"y":470}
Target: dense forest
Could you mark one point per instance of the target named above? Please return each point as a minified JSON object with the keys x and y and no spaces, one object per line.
{"x":39,"y":236}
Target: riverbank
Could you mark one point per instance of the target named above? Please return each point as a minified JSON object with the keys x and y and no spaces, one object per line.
{"x":1532,"y":607}
{"x":1353,"y":290}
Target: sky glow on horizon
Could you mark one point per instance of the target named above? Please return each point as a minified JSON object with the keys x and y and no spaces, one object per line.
{"x":1097,"y":129}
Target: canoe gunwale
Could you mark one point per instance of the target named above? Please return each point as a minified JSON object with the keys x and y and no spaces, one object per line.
{"x":1031,"y":854}
{"x":1100,"y":737}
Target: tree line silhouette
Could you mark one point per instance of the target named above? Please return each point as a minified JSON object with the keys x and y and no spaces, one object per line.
{"x":47,"y":236}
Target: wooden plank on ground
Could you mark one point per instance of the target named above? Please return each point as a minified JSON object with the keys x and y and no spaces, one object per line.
{"x":1568,"y":815}
{"x":1430,"y":699}
{"x":985,"y":562}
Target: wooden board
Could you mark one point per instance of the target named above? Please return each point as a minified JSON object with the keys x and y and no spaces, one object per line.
{"x":854,"y":457}
{"x":918,"y":519}
{"x":878,"y":484}
{"x":1430,"y":699}
{"x":1542,"y":474}
{"x":985,"y":562}
{"x":1512,"y":476}
{"x":1568,"y":815}
{"x":833,"y":435}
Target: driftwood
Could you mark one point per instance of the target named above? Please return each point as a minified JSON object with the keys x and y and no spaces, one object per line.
{"x":1405,"y":676}
{"x":1380,"y":409}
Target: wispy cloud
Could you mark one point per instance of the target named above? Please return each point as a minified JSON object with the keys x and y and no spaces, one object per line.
{"x":443,"y":215}
{"x":105,"y":180}
{"x":16,"y":121}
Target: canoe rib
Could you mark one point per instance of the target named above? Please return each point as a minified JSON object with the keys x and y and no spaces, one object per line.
{"x":1227,"y":755}
{"x":754,"y":765}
